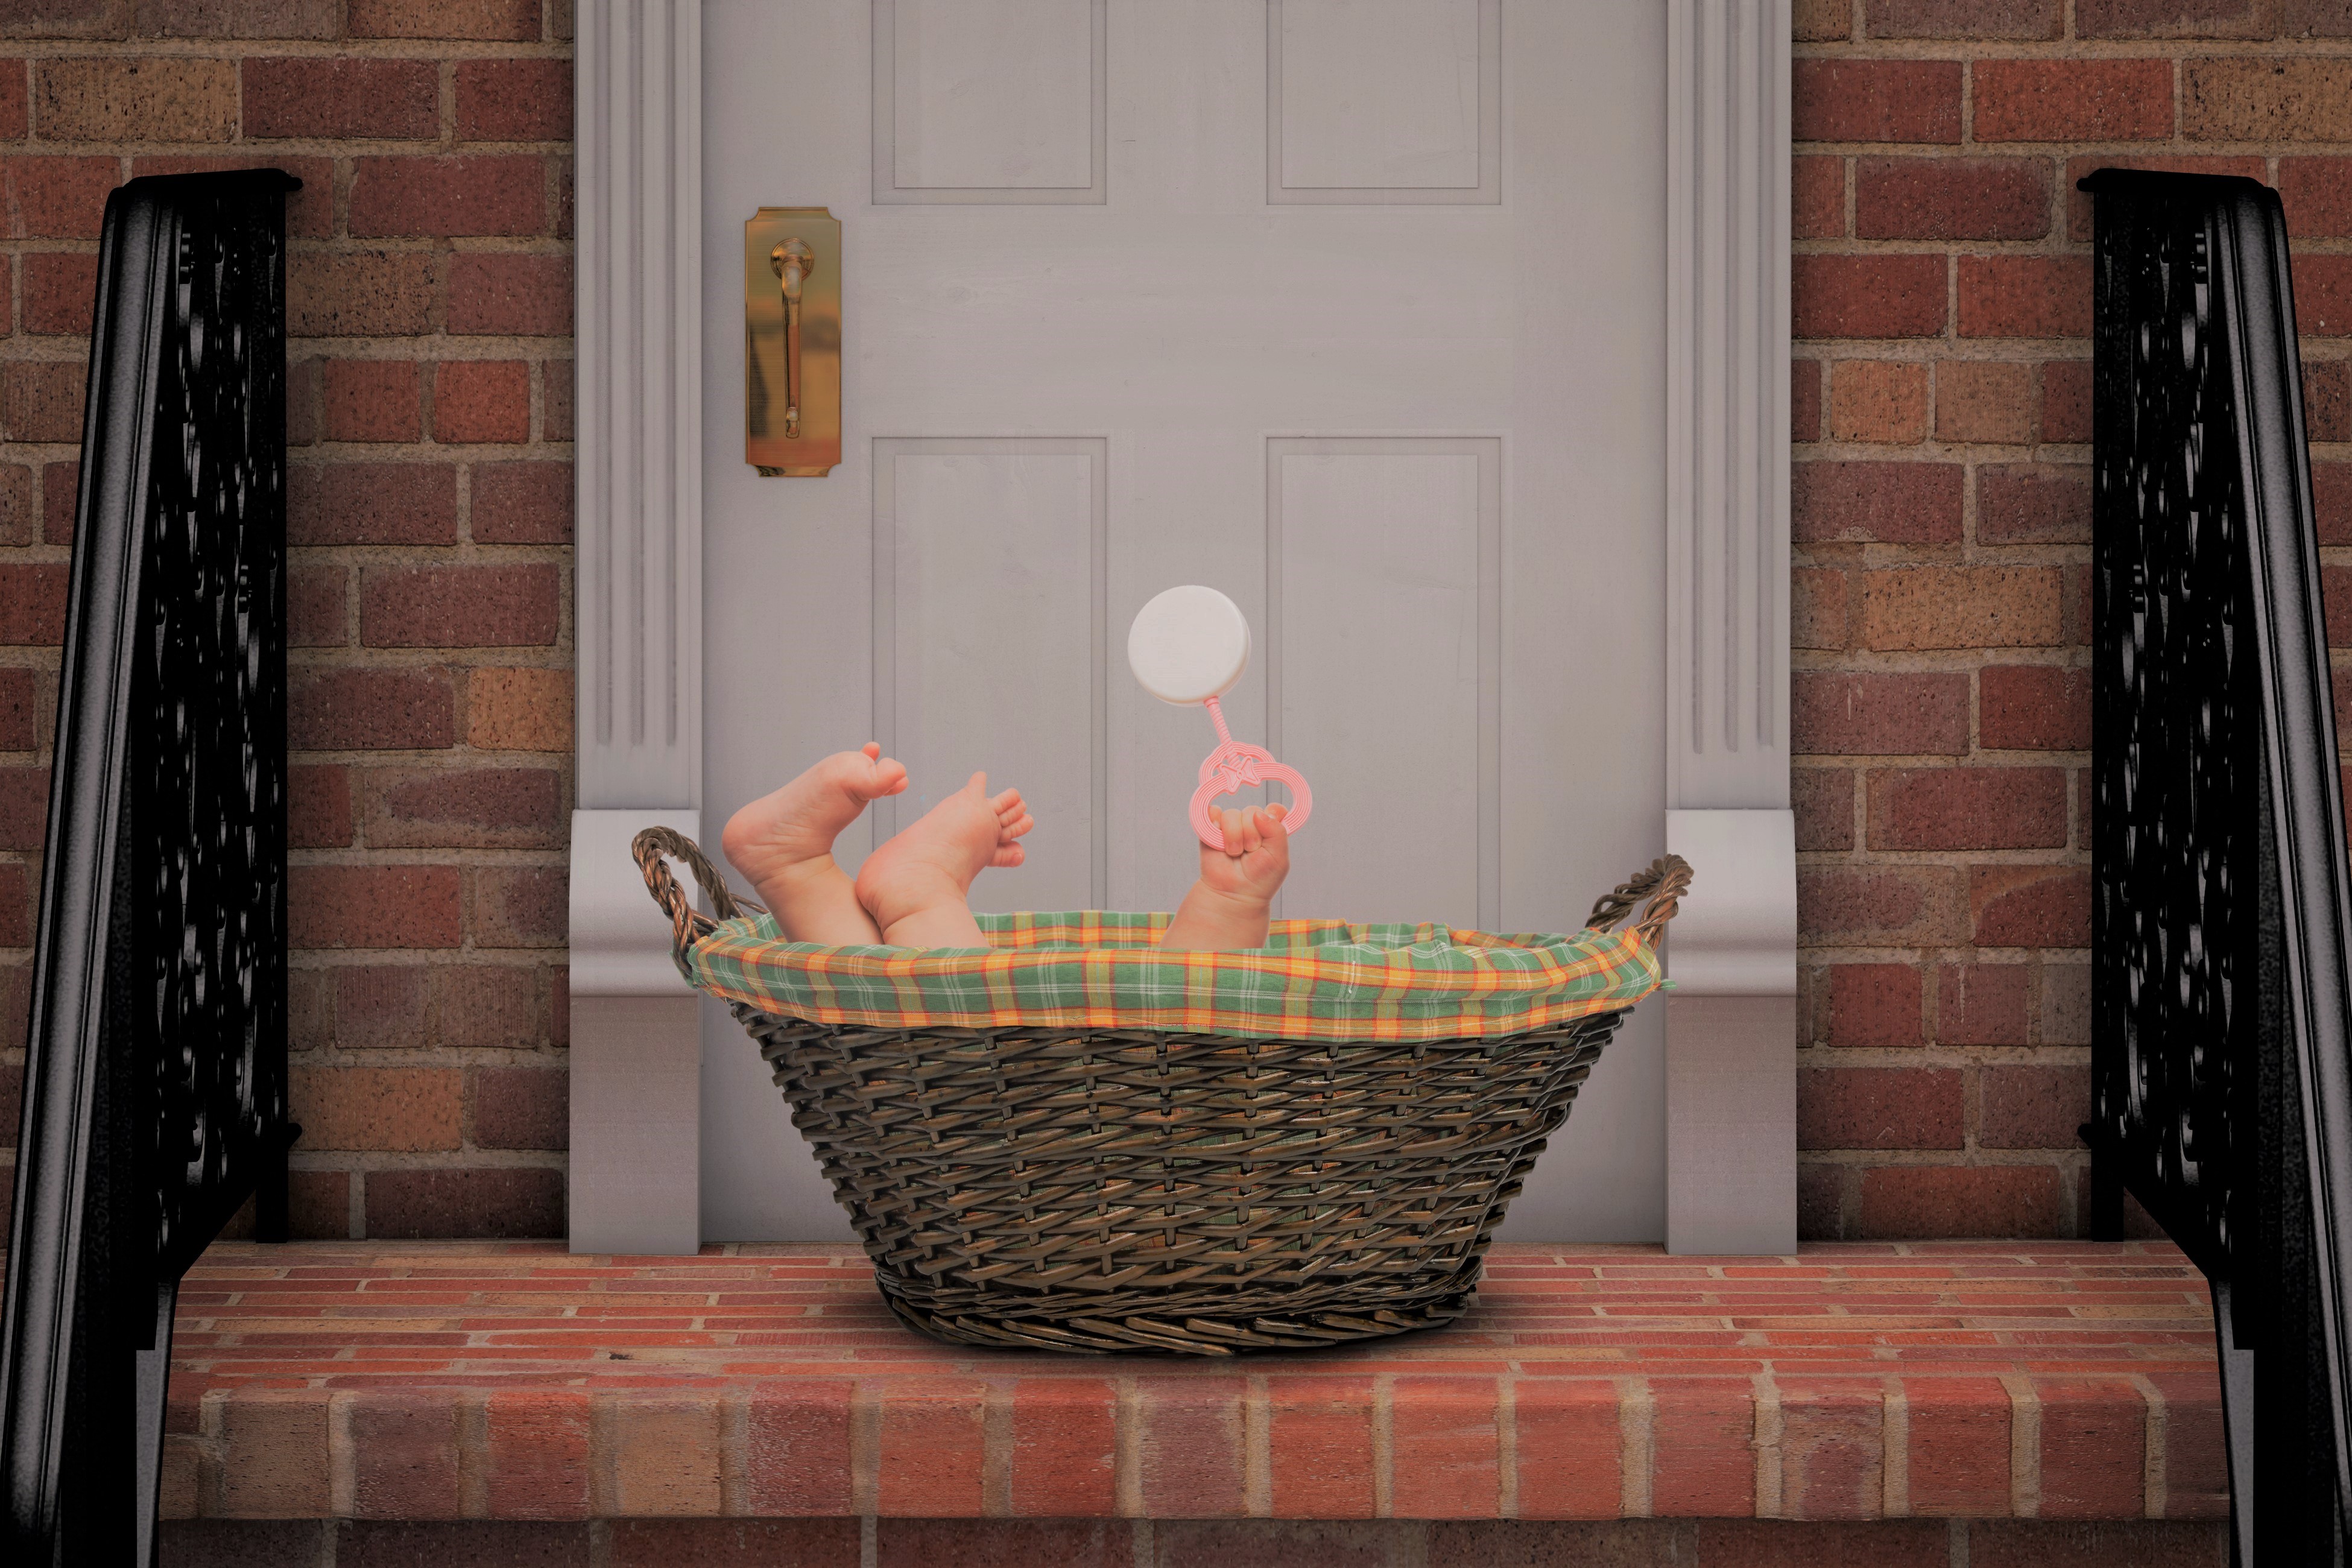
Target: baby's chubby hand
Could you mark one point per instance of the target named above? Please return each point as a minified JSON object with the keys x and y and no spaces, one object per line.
{"x":1256,"y":856}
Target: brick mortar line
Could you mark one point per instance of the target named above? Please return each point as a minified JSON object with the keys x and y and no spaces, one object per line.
{"x":1258,"y":1458}
{"x":2067,"y":51}
{"x":1637,"y":1446}
{"x":1766,"y":1435}
{"x":1895,"y":1448}
{"x":1383,"y":1445}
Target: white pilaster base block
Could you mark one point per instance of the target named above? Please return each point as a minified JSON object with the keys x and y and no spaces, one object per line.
{"x":1731,"y":1036}
{"x":637,"y":1051}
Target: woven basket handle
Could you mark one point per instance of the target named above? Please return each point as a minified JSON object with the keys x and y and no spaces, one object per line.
{"x":687,"y":925}
{"x":1664,"y":884}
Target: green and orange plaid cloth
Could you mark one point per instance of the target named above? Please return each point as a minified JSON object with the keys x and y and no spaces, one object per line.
{"x":1314,"y":980}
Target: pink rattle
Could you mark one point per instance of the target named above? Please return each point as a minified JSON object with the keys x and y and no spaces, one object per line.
{"x":1191,"y":644}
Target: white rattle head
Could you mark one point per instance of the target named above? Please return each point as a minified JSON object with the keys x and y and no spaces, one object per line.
{"x":1188,"y":645}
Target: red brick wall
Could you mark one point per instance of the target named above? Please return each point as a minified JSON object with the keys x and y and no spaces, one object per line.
{"x":1942,"y":711}
{"x":430,"y":427}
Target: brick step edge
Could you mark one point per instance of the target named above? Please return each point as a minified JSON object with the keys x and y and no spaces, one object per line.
{"x":1289,"y":1447}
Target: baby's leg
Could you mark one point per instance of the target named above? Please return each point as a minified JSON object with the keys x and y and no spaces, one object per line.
{"x":783,"y":844}
{"x":914,"y":886}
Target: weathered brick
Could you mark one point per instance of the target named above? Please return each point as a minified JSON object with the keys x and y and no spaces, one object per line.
{"x":1878,"y":401}
{"x":1188,"y":1447}
{"x":1890,"y":503}
{"x":1981,"y":1003}
{"x":1321,"y":1441}
{"x":1963,"y":608}
{"x":372,"y":906}
{"x":1063,"y":1448}
{"x":494,"y":1007}
{"x":2031,"y":906}
{"x":524,"y":906}
{"x":1957,"y":1450}
{"x":382,"y":1004}
{"x":20,"y":506}
{"x":931,"y":1442}
{"x":42,"y":401}
{"x":1805,"y":400}
{"x":1832,"y":1467}
{"x":1881,"y":905}
{"x":1902,"y":1201}
{"x":798,"y":1443}
{"x":1940,"y":198}
{"x":17,"y":730}
{"x":238,"y":19}
{"x":2169,"y":19}
{"x":122,"y":98}
{"x":2066,"y":400}
{"x":458,"y":606}
{"x":318,"y":807}
{"x":421,"y":197}
{"x":1571,"y":1452}
{"x":522,"y":1108}
{"x":372,"y":503}
{"x":15,"y":112}
{"x":1702,"y":1463}
{"x":359,"y":293}
{"x":482,"y":400}
{"x":2025,"y":297}
{"x":1984,"y":401}
{"x":2323,"y":295}
{"x":503,"y":1200}
{"x":535,"y":1453}
{"x":2034,"y":708}
{"x":1877,"y":295}
{"x":2331,"y":502}
{"x":372,"y":400}
{"x":2327,"y":399}
{"x":1817,"y":609}
{"x":369,"y":709}
{"x":303,"y":395}
{"x":2035,"y":1106}
{"x":514,"y":100}
{"x":1876,"y":101}
{"x":521,"y":503}
{"x":2267,"y":98}
{"x":2066,"y":1004}
{"x":1027,"y":1543}
{"x":1962,"y":18}
{"x":512,"y":21}
{"x":2094,"y":1436}
{"x":1842,"y":713}
{"x":1816,"y":198}
{"x":23,"y":806}
{"x":1445,"y":1446}
{"x":514,"y":808}
{"x":32,"y":606}
{"x":1968,"y":808}
{"x":2034,"y":506}
{"x":50,"y":197}
{"x":1878,"y":1107}
{"x":1823,"y":801}
{"x":2072,"y":100}
{"x":377,"y":1108}
{"x":519,"y":709}
{"x":59,"y":289}
{"x":511,"y":296}
{"x":344,"y":98}
{"x":403,"y":1445}
{"x":270,"y":1439}
{"x":2318,"y":194}
{"x":2317,"y":19}
{"x":319,"y":1205}
{"x":555,"y":396}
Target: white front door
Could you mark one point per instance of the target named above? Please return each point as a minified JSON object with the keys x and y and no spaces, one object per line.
{"x":1352,"y":308}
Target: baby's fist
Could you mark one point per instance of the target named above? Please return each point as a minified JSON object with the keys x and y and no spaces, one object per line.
{"x":1256,"y":856}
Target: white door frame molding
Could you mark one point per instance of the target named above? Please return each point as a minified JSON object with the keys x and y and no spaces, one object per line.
{"x":1731,"y":1030}
{"x":636,"y":1051}
{"x":1731,"y":1149}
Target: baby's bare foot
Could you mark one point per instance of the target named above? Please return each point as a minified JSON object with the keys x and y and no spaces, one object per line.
{"x":783,"y":843}
{"x":914,"y":886}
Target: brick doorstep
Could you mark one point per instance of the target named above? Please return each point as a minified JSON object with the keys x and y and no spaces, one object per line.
{"x":511,"y":1380}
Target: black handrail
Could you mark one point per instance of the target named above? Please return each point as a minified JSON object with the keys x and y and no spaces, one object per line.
{"x":155,"y":1070}
{"x":2221,"y":1083}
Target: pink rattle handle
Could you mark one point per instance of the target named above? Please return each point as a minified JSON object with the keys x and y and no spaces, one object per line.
{"x":1234,"y":766}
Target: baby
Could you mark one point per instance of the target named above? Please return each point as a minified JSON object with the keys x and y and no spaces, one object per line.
{"x":910,"y":891}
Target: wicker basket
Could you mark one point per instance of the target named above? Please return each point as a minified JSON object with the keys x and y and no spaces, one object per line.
{"x":1107,"y":1189}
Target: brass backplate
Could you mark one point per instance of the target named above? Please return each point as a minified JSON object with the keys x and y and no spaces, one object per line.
{"x":818,"y":447}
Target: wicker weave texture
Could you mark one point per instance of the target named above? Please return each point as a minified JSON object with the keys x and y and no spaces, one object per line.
{"x":1120,"y":1191}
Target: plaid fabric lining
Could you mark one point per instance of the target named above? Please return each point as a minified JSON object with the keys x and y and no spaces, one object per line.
{"x":1314,"y":980}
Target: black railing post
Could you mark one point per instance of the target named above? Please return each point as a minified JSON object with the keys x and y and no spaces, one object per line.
{"x":155,"y":1062}
{"x":2221,"y":1030}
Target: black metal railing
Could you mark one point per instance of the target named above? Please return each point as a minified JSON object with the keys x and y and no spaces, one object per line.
{"x":155,"y":1070}
{"x":2221,"y":1086}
